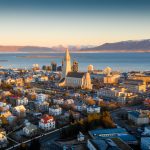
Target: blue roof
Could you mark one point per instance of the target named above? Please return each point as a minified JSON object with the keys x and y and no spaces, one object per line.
{"x":127,"y":137}
{"x":112,"y":133}
{"x":134,"y":113}
{"x":108,"y":131}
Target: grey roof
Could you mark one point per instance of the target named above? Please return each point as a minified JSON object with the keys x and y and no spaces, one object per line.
{"x":31,"y":127}
{"x":75,"y":74}
{"x":137,"y":114}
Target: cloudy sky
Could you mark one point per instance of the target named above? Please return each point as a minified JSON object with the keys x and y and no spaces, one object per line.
{"x":73,"y":22}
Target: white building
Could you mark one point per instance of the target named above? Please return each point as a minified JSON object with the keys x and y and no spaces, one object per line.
{"x":80,"y":137}
{"x":55,"y":110}
{"x":59,"y":101}
{"x":111,"y":79}
{"x":139,"y":117}
{"x":41,"y":97}
{"x":3,"y":139}
{"x":69,"y":101}
{"x":19,"y":111}
{"x":47,"y":122}
{"x":30,"y":129}
{"x":81,"y":107}
{"x":146,"y":131}
{"x":93,"y":109}
{"x":135,"y":86}
{"x":145,"y":143}
{"x":22,"y":101}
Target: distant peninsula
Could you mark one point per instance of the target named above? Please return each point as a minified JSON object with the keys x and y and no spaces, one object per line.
{"x":130,"y":46}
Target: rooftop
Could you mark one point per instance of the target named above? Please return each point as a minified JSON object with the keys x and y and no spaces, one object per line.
{"x":75,"y":74}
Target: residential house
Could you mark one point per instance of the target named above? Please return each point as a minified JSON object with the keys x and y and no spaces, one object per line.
{"x":3,"y":139}
{"x":43,"y":78}
{"x":139,"y":117}
{"x":30,"y":129}
{"x":69,"y":101}
{"x":135,"y":86}
{"x":146,"y":131}
{"x":47,"y":122}
{"x":22,"y":101}
{"x":81,"y":107}
{"x":41,"y":97}
{"x":19,"y":111}
{"x":55,"y":110}
{"x":58,"y":101}
{"x":93,"y":109}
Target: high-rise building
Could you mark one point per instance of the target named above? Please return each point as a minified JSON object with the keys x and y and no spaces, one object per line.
{"x":54,"y":66}
{"x":75,"y":66}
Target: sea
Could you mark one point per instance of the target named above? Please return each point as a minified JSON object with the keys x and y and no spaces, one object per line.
{"x":123,"y":62}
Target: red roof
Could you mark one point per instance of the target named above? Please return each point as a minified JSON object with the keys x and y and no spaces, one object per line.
{"x":46,"y":118}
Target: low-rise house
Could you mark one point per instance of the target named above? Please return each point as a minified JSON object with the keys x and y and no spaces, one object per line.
{"x":22,"y":101}
{"x":111,"y":79}
{"x":18,"y":88}
{"x":145,"y":143}
{"x":28,"y":79}
{"x":81,"y":107}
{"x":9,"y":81}
{"x":139,"y":117}
{"x":19,"y":111}
{"x":119,"y":94}
{"x":80,"y":137}
{"x":3,"y":139}
{"x":4,"y":106}
{"x":93,"y":109}
{"x":43,"y":78}
{"x":47,"y":122}
{"x":147,"y":101}
{"x":41,"y":97}
{"x":7,"y":117}
{"x":42,"y":106}
{"x":146,"y":131}
{"x":30,"y":129}
{"x":69,"y":101}
{"x":19,"y":82}
{"x":55,"y":110}
{"x":135,"y":86}
{"x":6,"y":93}
{"x":59,"y":101}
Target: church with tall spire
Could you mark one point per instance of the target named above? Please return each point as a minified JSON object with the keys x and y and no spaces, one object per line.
{"x":71,"y":78}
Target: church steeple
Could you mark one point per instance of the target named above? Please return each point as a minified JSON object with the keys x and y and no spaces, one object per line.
{"x":67,"y":64}
{"x":67,"y":56}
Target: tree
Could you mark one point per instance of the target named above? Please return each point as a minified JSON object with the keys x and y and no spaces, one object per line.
{"x":107,"y":120}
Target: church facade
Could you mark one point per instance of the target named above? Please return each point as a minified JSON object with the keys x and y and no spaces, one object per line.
{"x":73,"y":79}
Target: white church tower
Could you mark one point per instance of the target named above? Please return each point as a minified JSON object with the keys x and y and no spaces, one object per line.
{"x":66,"y":64}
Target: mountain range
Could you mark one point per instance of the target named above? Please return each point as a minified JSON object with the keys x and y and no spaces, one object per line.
{"x":122,"y":46}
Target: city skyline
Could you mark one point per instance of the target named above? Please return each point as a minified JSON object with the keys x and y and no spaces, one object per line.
{"x":52,"y":23}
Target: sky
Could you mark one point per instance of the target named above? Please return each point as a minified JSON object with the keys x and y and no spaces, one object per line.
{"x":73,"y":22}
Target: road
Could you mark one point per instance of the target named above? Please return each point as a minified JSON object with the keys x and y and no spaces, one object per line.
{"x":44,"y":139}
